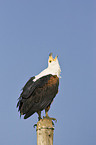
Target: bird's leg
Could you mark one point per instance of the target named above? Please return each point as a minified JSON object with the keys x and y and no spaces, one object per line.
{"x":39,"y":115}
{"x":46,"y":111}
{"x":46,"y":116}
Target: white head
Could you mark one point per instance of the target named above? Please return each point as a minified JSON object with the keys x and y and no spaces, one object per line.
{"x":53,"y":68}
{"x":53,"y":65}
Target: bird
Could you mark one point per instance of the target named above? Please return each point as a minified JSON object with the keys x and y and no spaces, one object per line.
{"x":40,"y":90}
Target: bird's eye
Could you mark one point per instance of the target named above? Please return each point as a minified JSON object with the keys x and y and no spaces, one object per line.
{"x":50,"y":61}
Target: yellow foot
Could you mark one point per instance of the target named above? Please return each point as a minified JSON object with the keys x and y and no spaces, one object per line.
{"x":50,"y":118}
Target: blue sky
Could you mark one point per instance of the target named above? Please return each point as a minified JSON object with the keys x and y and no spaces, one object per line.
{"x":29,"y":31}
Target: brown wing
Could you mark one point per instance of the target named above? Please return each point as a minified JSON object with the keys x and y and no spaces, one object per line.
{"x":41,"y":97}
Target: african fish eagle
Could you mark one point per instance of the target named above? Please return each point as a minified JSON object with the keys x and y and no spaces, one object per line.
{"x":39,"y":92}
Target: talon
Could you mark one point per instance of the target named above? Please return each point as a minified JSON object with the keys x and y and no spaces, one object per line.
{"x":50,"y":118}
{"x":47,"y":117}
{"x":35,"y":125}
{"x":54,"y":119}
{"x":53,"y":123}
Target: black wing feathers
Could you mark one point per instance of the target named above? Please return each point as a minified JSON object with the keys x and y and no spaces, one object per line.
{"x":38,"y":95}
{"x":27,"y":88}
{"x":30,"y":82}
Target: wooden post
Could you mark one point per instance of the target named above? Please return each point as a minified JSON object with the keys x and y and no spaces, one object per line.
{"x":45,"y":132}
